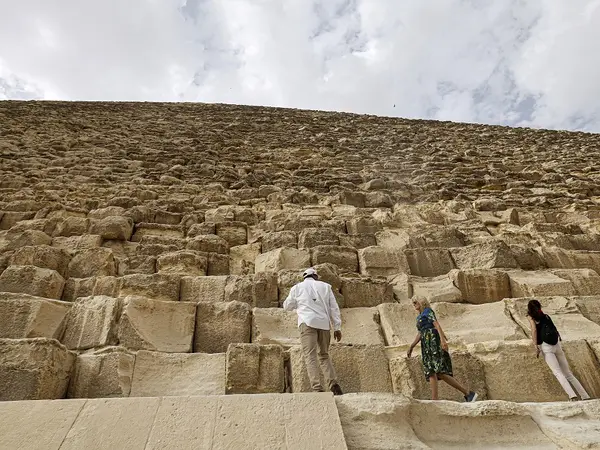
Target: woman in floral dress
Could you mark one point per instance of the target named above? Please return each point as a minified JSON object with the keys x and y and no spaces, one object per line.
{"x":434,"y":351}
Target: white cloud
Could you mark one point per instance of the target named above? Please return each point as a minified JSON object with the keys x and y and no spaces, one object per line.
{"x":517,"y":62}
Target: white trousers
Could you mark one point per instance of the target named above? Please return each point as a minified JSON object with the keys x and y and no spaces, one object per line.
{"x":557,"y":361}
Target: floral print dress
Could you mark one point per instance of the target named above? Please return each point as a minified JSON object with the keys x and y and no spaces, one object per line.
{"x":435,"y":359}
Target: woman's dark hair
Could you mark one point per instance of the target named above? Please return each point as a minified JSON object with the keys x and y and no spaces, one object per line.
{"x":534,"y":310}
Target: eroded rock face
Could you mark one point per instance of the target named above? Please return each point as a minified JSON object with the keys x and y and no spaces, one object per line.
{"x":254,"y":369}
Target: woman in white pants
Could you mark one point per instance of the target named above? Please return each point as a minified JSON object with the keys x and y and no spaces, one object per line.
{"x":546,"y":338}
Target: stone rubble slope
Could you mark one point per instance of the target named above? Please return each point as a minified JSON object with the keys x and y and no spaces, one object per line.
{"x":146,"y":249}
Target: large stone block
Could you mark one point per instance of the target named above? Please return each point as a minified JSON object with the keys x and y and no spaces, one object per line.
{"x":218,"y":264}
{"x":557,"y":258}
{"x":359,"y":368}
{"x":479,"y":286}
{"x":363,"y":225}
{"x":203,"y":289}
{"x":174,"y":374}
{"x":275,"y":326}
{"x":93,"y":262}
{"x":366,"y":292}
{"x":393,"y":239}
{"x":208,"y":243}
{"x":234,"y":233}
{"x":585,"y":281}
{"x":539,"y":284}
{"x":345,"y":258}
{"x":104,"y":373}
{"x":380,"y":262}
{"x":92,"y":322}
{"x":74,"y":244}
{"x":24,"y":316}
{"x":157,"y":286}
{"x":409,"y":379}
{"x":113,"y":227}
{"x":436,"y":289}
{"x":72,"y":226}
{"x":221,"y":324}
{"x":282,"y":258}
{"x":313,"y":237}
{"x":278,"y":239}
{"x":361,"y":326}
{"x":239,"y":289}
{"x":42,"y":256}
{"x":357,"y":241}
{"x":28,"y":238}
{"x":265,"y":291}
{"x":86,"y":287}
{"x":513,"y":373}
{"x":34,"y":369}
{"x":254,"y":369}
{"x":429,"y":262}
{"x":569,"y":321}
{"x":157,"y":325}
{"x":467,"y":324}
{"x":527,"y":258}
{"x":401,"y":287}
{"x":398,"y":323}
{"x":32,"y":280}
{"x":490,"y":254}
{"x":589,"y":307}
{"x":184,"y":262}
{"x":584,"y":364}
{"x":242,"y":257}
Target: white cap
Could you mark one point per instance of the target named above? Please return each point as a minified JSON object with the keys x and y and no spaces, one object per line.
{"x":309,"y":272}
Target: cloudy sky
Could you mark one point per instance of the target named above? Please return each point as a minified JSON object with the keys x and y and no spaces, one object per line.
{"x":515,"y":62}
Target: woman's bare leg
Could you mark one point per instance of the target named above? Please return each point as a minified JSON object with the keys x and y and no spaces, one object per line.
{"x":455,"y":384}
{"x":433,"y":382}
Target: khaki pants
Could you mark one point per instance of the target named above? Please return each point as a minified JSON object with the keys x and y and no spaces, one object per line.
{"x":311,"y":338}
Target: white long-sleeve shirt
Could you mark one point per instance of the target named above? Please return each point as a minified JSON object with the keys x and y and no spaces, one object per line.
{"x":315,"y":304}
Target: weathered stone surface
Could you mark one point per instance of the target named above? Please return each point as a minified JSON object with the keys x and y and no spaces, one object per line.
{"x":218,"y":264}
{"x":208,"y":243}
{"x":275,"y":326}
{"x":539,"y":284}
{"x":479,"y":286}
{"x":242,"y":257}
{"x":381,"y":262}
{"x":557,"y":258}
{"x":359,"y":368}
{"x":234,"y":233}
{"x":429,"y":262}
{"x":313,"y":237}
{"x":363,"y":225}
{"x":156,"y":286}
{"x":185,"y":262}
{"x":157,"y":325}
{"x":42,"y":256}
{"x":393,"y":239}
{"x":398,"y":323}
{"x":279,"y":239}
{"x":584,"y":364}
{"x":85,"y":287}
{"x":32,"y":280}
{"x":34,"y":369}
{"x":485,"y":255}
{"x":527,"y":258}
{"x":25,"y":316}
{"x":220,"y":324}
{"x":365,"y":292}
{"x":75,"y":243}
{"x":401,"y":287}
{"x":436,"y":289}
{"x":169,"y":374}
{"x":282,"y":258}
{"x":254,"y":369}
{"x":92,"y":322}
{"x":93,"y":262}
{"x":72,"y":226}
{"x":589,"y":307}
{"x":361,"y":326}
{"x":203,"y":289}
{"x":265,"y":290}
{"x":113,"y":227}
{"x":105,"y":373}
{"x":345,"y":258}
{"x":585,"y":281}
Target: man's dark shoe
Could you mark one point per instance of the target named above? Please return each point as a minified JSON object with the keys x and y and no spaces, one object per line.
{"x":336,"y":389}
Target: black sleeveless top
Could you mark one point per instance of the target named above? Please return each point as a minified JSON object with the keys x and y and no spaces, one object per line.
{"x":538,"y":327}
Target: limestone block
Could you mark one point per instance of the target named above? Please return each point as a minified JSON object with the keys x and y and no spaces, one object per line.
{"x":585,"y":281}
{"x":285,"y":280}
{"x":361,"y":326}
{"x":557,"y":258}
{"x":363,"y":225}
{"x":485,"y":255}
{"x":479,"y":286}
{"x":239,"y":289}
{"x":113,"y":227}
{"x":357,"y":241}
{"x":429,"y":262}
{"x":157,"y":325}
{"x":401,"y":287}
{"x":466,"y":324}
{"x":436,"y":289}
{"x":235,"y":233}
{"x":275,"y":326}
{"x":265,"y":292}
{"x":104,"y":373}
{"x":173,"y":374}
{"x":584,"y":365}
{"x":93,"y":262}
{"x":34,"y":369}
{"x":86,"y":287}
{"x":72,"y":226}
{"x":145,"y":230}
{"x":186,"y":262}
{"x":75,"y":243}
{"x":218,"y":264}
{"x":366,"y":292}
{"x":203,"y":289}
{"x":359,"y":368}
{"x":242,"y":257}
{"x":254,"y":369}
{"x":157,"y":246}
{"x":345,"y":258}
{"x":103,"y":213}
{"x":282,"y":258}
{"x":313,"y":237}
{"x":539,"y":284}
{"x":398,"y":323}
{"x":393,"y":239}
{"x":32,"y":280}
{"x":409,"y":379}
{"x":25,"y":239}
{"x":92,"y":322}
{"x":589,"y":307}
{"x":527,"y":258}
{"x":380,"y":262}
{"x":157,"y":286}
{"x":567,"y":317}
{"x":24,"y":316}
{"x":43,"y":256}
{"x":510,"y":368}
{"x":221,"y":214}
{"x":198,"y":229}
{"x":208,"y":243}
{"x":221,"y":324}
{"x":438,"y":237}
{"x":278,"y":239}
{"x":136,"y":264}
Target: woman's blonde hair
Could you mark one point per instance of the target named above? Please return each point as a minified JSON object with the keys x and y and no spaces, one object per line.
{"x":421,"y":300}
